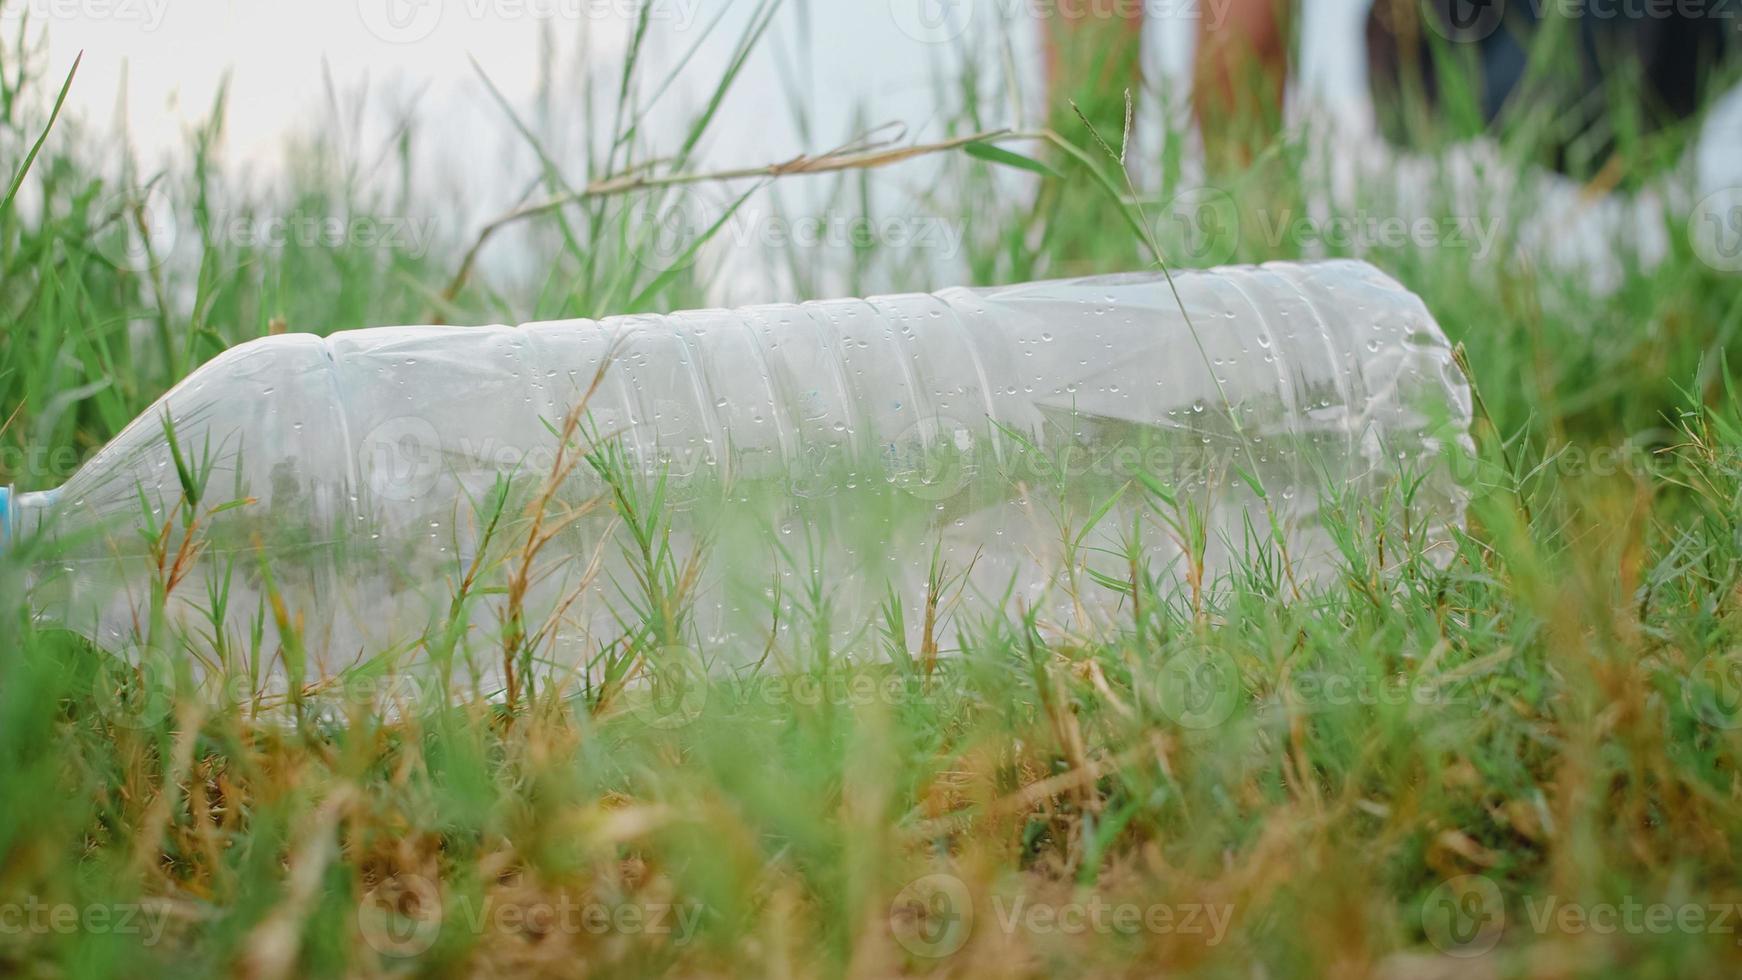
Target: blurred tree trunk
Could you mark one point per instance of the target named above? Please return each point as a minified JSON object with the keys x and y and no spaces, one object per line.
{"x":1094,"y":55}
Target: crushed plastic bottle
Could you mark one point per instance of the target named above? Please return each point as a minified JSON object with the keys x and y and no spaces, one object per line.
{"x":980,"y":446}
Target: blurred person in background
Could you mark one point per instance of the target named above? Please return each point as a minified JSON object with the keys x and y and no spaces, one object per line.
{"x":1580,"y":77}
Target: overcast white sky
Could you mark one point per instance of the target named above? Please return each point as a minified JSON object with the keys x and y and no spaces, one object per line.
{"x":172,"y":54}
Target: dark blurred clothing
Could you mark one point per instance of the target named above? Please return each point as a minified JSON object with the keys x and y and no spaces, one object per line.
{"x":1566,"y":70}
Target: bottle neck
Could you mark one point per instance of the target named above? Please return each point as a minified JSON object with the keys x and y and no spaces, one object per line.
{"x":22,"y":514}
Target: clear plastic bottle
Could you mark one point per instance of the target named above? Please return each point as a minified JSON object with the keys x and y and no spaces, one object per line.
{"x":820,"y":458}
